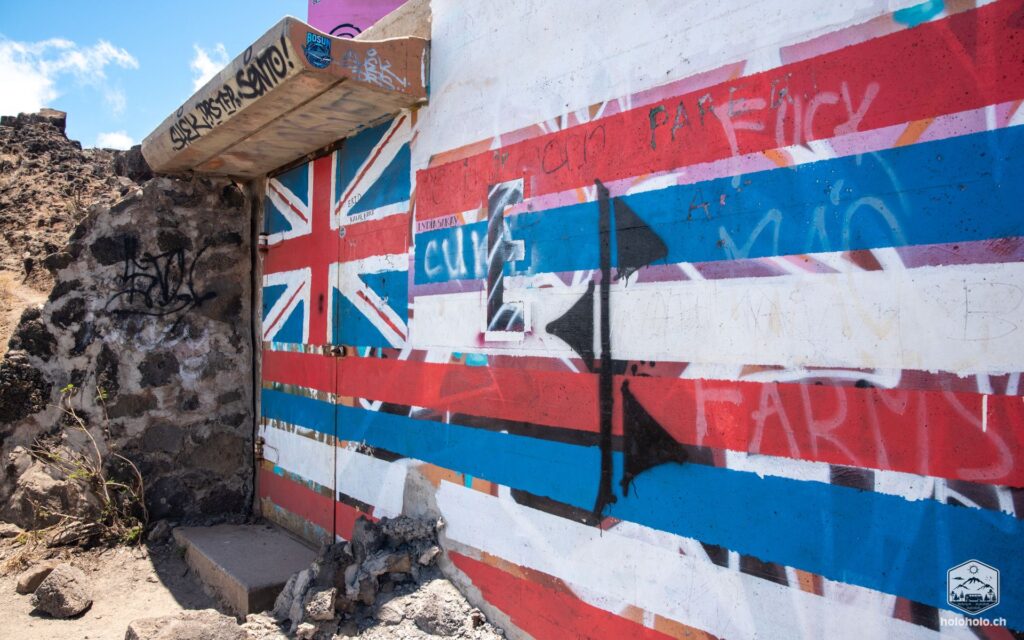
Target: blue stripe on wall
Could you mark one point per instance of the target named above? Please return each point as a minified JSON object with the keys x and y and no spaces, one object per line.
{"x":954,"y":190}
{"x":298,"y":410}
{"x":873,"y":540}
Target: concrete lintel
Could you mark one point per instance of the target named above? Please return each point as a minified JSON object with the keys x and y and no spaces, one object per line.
{"x":295,"y":90}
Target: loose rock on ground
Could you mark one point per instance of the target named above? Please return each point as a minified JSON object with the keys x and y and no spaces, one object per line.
{"x":64,"y":593}
{"x":205,"y":624}
{"x":30,"y":579}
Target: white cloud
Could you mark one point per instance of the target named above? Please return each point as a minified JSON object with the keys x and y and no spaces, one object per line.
{"x":30,"y":71}
{"x":116,"y":100}
{"x":114,"y":140}
{"x":206,"y":64}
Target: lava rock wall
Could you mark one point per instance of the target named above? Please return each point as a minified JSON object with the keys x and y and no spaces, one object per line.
{"x":146,"y":331}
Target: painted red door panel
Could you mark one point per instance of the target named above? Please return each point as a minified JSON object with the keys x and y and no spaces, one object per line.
{"x":335,"y":278}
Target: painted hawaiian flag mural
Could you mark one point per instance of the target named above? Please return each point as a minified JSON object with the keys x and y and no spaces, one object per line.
{"x":736,"y":357}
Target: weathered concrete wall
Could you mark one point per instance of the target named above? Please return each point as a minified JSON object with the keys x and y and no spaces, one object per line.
{"x":150,"y":309}
{"x":711,"y":317}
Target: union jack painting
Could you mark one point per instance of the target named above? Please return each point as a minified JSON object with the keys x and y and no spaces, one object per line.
{"x":336,"y":268}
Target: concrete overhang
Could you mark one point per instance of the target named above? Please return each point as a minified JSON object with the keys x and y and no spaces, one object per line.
{"x":294,"y":91}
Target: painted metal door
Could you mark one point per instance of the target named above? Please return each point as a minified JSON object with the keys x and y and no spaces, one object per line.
{"x":298,"y":425}
{"x":335,"y":288}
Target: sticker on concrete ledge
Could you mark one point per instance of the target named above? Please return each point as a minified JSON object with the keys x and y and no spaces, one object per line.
{"x":318,"y":50}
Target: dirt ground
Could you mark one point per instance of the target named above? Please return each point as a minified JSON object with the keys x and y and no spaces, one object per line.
{"x":15,"y":297}
{"x":128,"y":583}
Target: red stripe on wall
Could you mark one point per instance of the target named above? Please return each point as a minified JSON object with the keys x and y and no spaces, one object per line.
{"x":544,"y":612}
{"x":552,"y":398}
{"x":345,"y":517}
{"x":297,"y":499}
{"x":934,"y":433}
{"x":301,"y":369}
{"x":937,"y":68}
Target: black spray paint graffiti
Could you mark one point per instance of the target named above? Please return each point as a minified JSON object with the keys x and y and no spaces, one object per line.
{"x":157,"y":285}
{"x":646,"y":444}
{"x":261,"y":73}
{"x":346,"y":30}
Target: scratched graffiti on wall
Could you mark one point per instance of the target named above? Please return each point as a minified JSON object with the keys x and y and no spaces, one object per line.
{"x":372,"y":68}
{"x":753,"y":335}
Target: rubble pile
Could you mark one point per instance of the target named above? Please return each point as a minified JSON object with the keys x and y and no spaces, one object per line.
{"x":383,"y":583}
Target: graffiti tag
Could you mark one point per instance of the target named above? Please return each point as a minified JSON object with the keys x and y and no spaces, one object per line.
{"x":157,"y":285}
{"x":261,"y":73}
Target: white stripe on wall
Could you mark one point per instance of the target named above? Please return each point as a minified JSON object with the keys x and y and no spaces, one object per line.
{"x":663,"y":574}
{"x":965,"y":318}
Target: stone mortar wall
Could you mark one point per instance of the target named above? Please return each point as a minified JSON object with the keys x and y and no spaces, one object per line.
{"x":151,"y":309}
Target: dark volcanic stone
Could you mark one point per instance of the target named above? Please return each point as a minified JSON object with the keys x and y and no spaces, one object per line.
{"x":57,"y":261}
{"x":83,"y":338}
{"x":166,"y":497}
{"x":106,"y":372}
{"x":132,"y":405}
{"x":162,"y":436}
{"x":228,"y":397}
{"x":132,"y":165}
{"x":228,"y":238}
{"x":222,"y":499}
{"x":190,"y":403}
{"x":232,"y":196}
{"x":172,"y":240}
{"x":23,"y":390}
{"x":63,"y":288}
{"x":222,"y":453}
{"x":158,"y":369}
{"x":183,"y":197}
{"x":71,"y":313}
{"x":33,"y":337}
{"x":110,"y":250}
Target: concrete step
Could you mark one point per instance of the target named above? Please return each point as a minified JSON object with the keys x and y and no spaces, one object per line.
{"x":245,"y":565}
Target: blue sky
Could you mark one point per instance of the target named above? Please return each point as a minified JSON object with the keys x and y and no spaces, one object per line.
{"x":119,"y":68}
